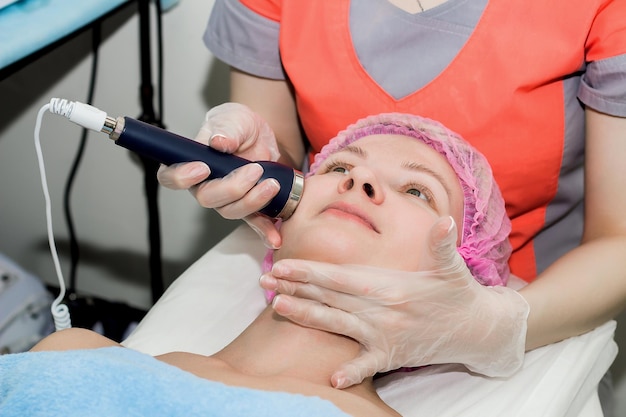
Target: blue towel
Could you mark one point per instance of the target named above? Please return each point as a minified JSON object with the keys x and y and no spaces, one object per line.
{"x":117,"y":381}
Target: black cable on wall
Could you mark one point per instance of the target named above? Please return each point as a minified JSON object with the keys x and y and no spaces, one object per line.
{"x":96,"y":40}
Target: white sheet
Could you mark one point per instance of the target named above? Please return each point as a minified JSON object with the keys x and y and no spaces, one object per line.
{"x":218,"y":296}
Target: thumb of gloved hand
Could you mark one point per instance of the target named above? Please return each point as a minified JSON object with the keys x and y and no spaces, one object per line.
{"x":235,"y":128}
{"x":441,"y":253}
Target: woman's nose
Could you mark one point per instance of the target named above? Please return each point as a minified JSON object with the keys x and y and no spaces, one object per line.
{"x":362,"y":180}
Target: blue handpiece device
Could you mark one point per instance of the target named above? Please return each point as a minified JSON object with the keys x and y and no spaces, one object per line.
{"x":169,"y":148}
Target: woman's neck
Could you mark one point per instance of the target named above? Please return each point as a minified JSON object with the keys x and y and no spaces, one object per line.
{"x":275,"y":349}
{"x":273,"y":345}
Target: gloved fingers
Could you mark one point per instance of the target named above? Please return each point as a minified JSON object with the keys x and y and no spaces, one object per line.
{"x":387,"y":296}
{"x":183,"y":176}
{"x":362,"y":327}
{"x":334,"y":299}
{"x":234,"y":128}
{"x":234,"y":187}
{"x":316,"y":315}
{"x":353,"y":288}
{"x":349,"y":279}
{"x":355,"y":371}
{"x":254,"y":200}
{"x":307,"y":313}
{"x":266,"y":229}
{"x":269,"y":282}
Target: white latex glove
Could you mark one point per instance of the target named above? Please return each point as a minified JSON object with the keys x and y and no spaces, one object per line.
{"x":232,"y":128}
{"x":407,"y":319}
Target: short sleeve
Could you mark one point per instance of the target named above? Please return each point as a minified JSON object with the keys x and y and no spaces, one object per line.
{"x":603,"y":86}
{"x":244,"y":39}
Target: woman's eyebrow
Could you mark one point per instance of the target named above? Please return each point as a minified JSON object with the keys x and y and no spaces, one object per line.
{"x":355,"y":150}
{"x":414,"y":166}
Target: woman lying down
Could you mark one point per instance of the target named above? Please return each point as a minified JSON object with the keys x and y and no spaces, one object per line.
{"x":382,"y":194}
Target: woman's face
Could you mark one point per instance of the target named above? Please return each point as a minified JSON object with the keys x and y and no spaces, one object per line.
{"x":373,"y":203}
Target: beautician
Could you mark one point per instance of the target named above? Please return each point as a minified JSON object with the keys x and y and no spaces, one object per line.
{"x":538,"y":87}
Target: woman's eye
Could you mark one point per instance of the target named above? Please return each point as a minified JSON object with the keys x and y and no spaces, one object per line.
{"x":336,"y":166}
{"x":340,"y":169}
{"x":418,"y":193}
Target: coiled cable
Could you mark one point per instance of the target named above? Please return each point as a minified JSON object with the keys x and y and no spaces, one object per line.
{"x":60,"y":312}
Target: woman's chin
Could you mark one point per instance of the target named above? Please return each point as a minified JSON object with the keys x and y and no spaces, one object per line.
{"x":331,"y":248}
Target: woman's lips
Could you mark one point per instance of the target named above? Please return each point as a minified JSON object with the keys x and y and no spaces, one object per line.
{"x":350,"y":212}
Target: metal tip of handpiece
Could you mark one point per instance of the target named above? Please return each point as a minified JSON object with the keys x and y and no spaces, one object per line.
{"x":297,"y":188}
{"x":117,"y":127}
{"x":109,"y":125}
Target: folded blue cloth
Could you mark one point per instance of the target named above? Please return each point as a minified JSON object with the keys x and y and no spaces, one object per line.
{"x":117,"y":381}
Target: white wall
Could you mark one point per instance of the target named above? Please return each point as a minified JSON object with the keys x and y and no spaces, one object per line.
{"x":108,"y":202}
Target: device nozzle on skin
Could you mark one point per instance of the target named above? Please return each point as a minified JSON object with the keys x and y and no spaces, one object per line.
{"x":168,"y":148}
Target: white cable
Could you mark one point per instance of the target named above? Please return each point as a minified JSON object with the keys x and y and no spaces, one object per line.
{"x":82,"y":114}
{"x":88,"y":117}
{"x":60,"y":312}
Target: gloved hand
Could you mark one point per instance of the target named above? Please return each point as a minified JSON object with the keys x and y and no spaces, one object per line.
{"x":232,"y":128}
{"x":440,"y":315}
